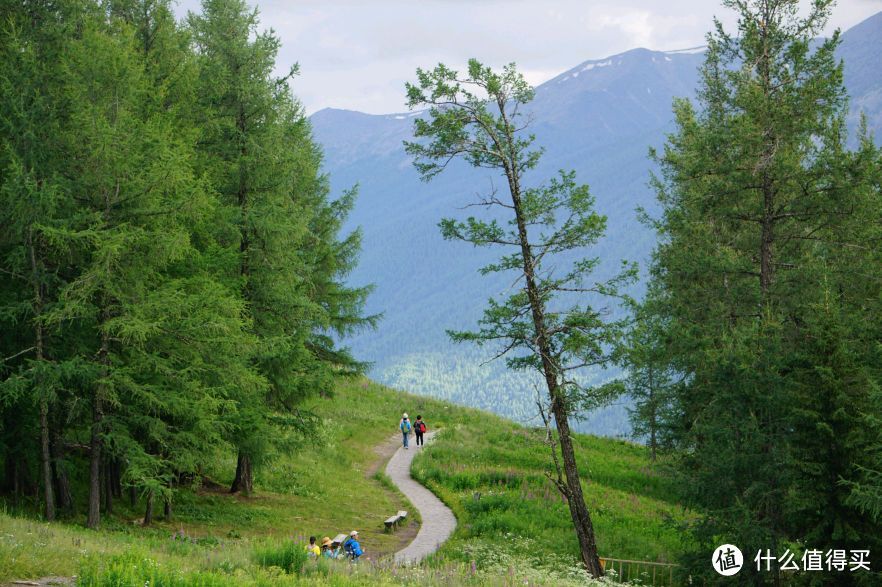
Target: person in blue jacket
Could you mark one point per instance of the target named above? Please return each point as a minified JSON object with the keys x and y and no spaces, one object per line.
{"x":351,"y":547}
{"x":405,"y":427}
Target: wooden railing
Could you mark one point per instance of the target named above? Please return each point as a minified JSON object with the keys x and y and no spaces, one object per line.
{"x":649,"y":573}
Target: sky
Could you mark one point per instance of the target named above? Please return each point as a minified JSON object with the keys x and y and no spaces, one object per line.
{"x":358,"y":54}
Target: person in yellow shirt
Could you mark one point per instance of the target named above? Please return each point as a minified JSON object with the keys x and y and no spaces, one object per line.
{"x":313,"y":549}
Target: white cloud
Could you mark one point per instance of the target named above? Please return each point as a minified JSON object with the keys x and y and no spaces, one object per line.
{"x":357,"y":55}
{"x":636,"y":26}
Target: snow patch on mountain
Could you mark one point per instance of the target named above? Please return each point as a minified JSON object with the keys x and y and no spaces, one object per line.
{"x":590,"y":66}
{"x":688,"y":51}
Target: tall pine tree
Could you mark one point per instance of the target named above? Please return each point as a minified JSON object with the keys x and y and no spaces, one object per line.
{"x":33,"y":205}
{"x":764,"y":283}
{"x":547,"y":325}
{"x":174,"y":261}
{"x":258,"y":151}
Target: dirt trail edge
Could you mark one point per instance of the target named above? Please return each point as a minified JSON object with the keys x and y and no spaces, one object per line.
{"x":438,"y":521}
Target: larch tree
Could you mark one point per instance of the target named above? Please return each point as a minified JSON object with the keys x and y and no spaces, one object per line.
{"x":545,"y":326}
{"x":165,"y":332}
{"x":258,"y":151}
{"x":245,"y":153}
{"x":33,"y":204}
{"x":651,"y":381}
{"x":766,"y":278}
{"x":173,"y":265}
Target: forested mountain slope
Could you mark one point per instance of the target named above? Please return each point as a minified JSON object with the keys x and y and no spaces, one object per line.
{"x":599,"y":118}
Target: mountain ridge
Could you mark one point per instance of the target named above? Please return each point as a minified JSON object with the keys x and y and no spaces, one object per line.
{"x":601,"y":123}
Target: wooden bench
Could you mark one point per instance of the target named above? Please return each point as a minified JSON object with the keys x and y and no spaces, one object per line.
{"x":393,"y":521}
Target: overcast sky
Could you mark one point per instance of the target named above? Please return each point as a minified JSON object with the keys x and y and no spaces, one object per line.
{"x":357,"y":54}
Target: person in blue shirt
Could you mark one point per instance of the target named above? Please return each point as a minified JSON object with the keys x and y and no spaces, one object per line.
{"x":351,"y":547}
{"x":405,"y":427}
{"x":328,"y":550}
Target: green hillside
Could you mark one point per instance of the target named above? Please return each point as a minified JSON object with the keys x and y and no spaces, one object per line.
{"x":489,"y":470}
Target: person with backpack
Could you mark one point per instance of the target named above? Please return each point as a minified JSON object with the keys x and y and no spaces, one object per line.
{"x":351,"y":547}
{"x":405,"y":427}
{"x":419,"y":427}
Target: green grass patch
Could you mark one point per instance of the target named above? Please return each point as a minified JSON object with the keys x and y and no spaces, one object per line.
{"x":135,"y":570}
{"x":513,"y":525}
{"x":494,"y":476}
{"x":287,"y":555}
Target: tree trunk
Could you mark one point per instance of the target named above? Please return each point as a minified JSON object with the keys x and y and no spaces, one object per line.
{"x":767,"y":182}
{"x":244,"y":481}
{"x":167,"y":510}
{"x":652,"y":417}
{"x":7,"y":473}
{"x":94,"y":517}
{"x":133,"y":496}
{"x":575,"y":499}
{"x":116,"y":478}
{"x":13,"y":484}
{"x":766,"y":239}
{"x":62,"y":481}
{"x":45,"y":457}
{"x":46,"y":462}
{"x":95,"y":441}
{"x":148,"y":514}
{"x":108,"y":488}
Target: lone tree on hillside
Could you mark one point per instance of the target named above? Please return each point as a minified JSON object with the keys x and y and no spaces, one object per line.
{"x":544,"y":325}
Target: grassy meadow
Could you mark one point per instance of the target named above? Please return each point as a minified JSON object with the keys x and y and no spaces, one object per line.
{"x":493,"y":475}
{"x":513,"y":526}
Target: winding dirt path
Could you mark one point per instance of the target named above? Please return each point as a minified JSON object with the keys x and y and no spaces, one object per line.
{"x":438,"y":521}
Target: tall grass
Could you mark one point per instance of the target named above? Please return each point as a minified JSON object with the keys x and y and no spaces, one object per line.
{"x":289,"y":556}
{"x":493,"y":475}
{"x":136,"y":570}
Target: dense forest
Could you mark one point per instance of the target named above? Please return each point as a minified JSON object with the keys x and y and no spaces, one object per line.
{"x":173,"y":268}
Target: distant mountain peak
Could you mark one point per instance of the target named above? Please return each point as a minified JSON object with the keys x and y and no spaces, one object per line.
{"x":621,"y":65}
{"x":599,"y":118}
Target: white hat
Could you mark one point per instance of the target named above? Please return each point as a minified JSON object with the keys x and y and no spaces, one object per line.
{"x":404,"y":416}
{"x":354,"y":533}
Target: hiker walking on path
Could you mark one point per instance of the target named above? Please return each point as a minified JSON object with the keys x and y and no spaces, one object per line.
{"x":405,"y":427}
{"x":419,"y":428}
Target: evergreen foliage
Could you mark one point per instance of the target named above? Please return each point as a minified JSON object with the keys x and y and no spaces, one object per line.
{"x":173,"y":268}
{"x":763,"y":282}
{"x":651,"y":382}
{"x":546,"y":325}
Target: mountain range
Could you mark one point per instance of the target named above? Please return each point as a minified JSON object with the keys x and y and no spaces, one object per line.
{"x":600,"y":119}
